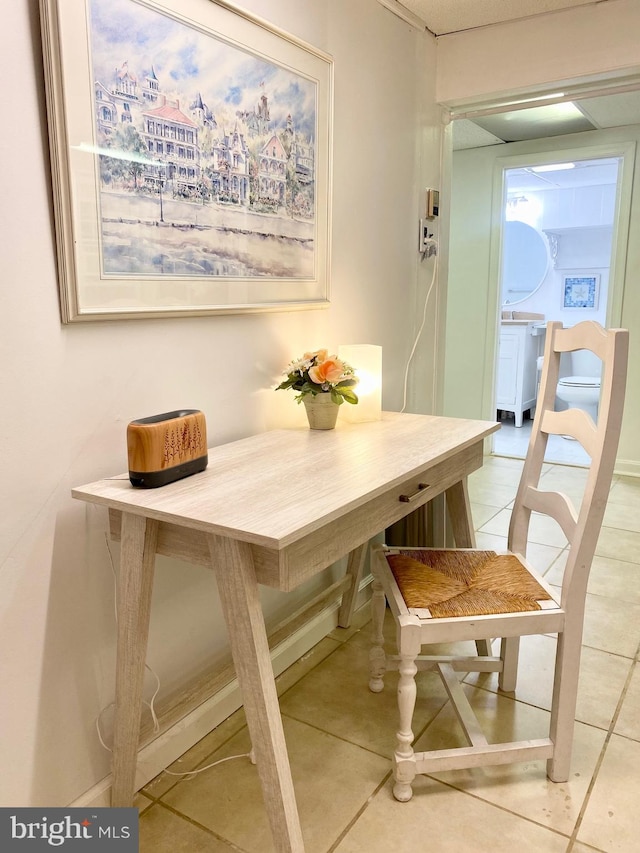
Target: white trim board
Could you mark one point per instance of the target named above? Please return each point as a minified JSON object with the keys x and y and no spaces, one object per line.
{"x":627,"y":468}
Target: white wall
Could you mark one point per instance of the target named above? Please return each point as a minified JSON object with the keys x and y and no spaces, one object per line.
{"x":68,"y":392}
{"x":593,"y":42}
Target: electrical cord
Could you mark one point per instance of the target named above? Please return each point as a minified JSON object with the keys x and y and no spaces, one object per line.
{"x":151,"y":704}
{"x":250,"y":755}
{"x":415,"y":343}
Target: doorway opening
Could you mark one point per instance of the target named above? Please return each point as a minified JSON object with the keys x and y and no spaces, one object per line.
{"x":557,"y":252}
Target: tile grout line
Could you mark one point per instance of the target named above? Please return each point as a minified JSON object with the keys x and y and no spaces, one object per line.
{"x":316,"y":728}
{"x":359,"y":814}
{"x":608,"y":736}
{"x":202,"y":827}
{"x":491,"y":804}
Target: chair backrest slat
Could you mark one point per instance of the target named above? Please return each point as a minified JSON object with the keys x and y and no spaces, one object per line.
{"x":599,"y":440}
{"x":573,"y":422}
{"x":586,"y":335}
{"x":555,"y":504}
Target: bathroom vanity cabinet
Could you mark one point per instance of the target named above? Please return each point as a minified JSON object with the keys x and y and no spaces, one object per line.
{"x":516,"y":389}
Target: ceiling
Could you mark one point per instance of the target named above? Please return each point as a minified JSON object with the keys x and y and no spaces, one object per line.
{"x":443,"y":17}
{"x":450,"y":16}
{"x":584,"y":173}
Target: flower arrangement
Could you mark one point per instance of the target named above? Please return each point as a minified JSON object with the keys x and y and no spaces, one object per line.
{"x":320,"y":373}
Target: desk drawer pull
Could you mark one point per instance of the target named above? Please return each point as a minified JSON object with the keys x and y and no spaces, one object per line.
{"x":406,"y":499}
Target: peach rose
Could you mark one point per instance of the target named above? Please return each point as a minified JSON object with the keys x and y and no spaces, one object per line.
{"x":330,"y":370}
{"x":319,"y":354}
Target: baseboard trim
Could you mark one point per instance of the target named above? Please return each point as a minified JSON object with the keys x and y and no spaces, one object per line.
{"x":171,"y":744}
{"x":627,"y":467}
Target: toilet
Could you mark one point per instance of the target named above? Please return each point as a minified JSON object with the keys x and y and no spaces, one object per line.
{"x":581,"y":389}
{"x":580,"y":392}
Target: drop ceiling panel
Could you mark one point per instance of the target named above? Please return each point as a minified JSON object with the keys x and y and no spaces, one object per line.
{"x":612,"y":110}
{"x":536,"y":123}
{"x":615,"y":110}
{"x":466,"y":134}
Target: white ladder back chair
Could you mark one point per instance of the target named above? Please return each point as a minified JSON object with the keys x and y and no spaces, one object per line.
{"x":449,"y":595}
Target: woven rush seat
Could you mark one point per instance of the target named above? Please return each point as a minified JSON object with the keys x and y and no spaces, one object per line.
{"x":448,"y":582}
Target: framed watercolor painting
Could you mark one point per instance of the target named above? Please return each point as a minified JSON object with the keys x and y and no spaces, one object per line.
{"x":191,"y":160}
{"x":580,"y":291}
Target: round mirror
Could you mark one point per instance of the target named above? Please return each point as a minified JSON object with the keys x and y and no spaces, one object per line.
{"x":525,"y":260}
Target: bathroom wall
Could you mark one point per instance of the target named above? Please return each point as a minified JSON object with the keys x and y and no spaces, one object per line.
{"x":576,"y":224}
{"x":68,"y":392}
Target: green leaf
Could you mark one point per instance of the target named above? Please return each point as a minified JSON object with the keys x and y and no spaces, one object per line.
{"x":286,"y":383}
{"x":336,"y":397}
{"x":349,"y":396}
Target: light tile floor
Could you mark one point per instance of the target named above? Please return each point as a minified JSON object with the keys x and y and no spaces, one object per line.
{"x":340,"y":735}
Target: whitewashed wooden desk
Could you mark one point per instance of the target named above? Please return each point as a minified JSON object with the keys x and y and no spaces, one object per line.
{"x":274,"y":509}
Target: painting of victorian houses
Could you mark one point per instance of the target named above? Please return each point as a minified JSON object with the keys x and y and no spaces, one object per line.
{"x":206,"y":161}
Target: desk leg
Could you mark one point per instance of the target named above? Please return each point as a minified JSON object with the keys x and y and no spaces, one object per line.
{"x":137,"y":558}
{"x":459,"y":509}
{"x":354,"y":570}
{"x":238,"y":589}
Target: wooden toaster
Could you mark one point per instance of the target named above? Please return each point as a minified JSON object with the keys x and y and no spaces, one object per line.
{"x":166,"y":447}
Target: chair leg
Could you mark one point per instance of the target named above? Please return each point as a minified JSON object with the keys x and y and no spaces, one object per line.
{"x":563,"y":708}
{"x":509,"y":650}
{"x":483,"y":648}
{"x":404,"y":765}
{"x":377,"y":657}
